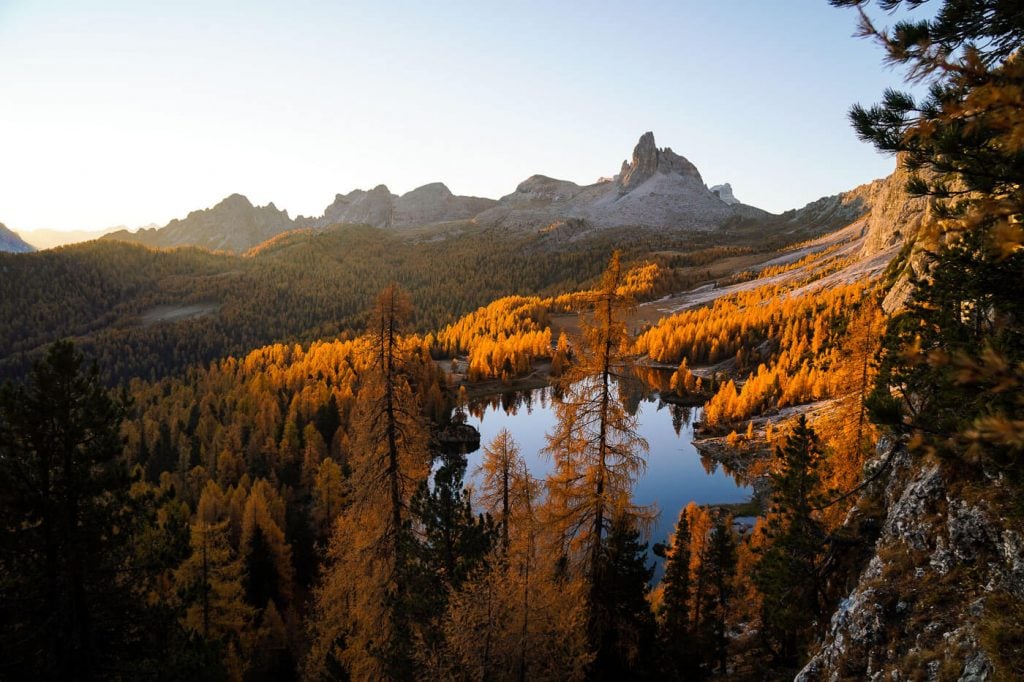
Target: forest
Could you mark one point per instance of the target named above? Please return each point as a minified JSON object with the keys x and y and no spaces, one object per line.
{"x":267,"y":493}
{"x":298,"y":288}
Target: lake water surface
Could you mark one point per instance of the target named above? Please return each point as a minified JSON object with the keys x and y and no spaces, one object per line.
{"x":676,"y":473}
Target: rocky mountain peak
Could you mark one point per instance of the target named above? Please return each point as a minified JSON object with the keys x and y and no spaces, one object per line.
{"x":648,"y":160}
{"x":433,"y":189}
{"x":234,"y":201}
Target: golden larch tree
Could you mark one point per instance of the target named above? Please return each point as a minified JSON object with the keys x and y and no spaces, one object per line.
{"x":597,"y":450}
{"x":359,"y":617}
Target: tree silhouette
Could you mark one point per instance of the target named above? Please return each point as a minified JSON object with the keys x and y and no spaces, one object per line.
{"x":69,"y":590}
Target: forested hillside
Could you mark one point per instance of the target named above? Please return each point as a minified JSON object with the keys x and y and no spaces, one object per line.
{"x":148,"y":313}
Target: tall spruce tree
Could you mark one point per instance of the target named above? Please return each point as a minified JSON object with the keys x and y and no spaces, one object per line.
{"x":675,"y":632}
{"x":71,"y":583}
{"x":619,"y":609}
{"x":449,"y":543}
{"x":789,"y":572}
{"x":720,"y":565}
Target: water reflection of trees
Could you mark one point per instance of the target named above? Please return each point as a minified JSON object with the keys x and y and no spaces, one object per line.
{"x":511,"y":402}
{"x":636,"y":385}
{"x":711,"y":465}
{"x":681,"y":416}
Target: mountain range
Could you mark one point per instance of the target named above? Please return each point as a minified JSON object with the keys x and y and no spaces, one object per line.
{"x":654,"y":188}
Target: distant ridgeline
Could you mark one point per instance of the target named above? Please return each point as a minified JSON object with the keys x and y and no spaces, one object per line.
{"x":129,"y":306}
{"x":657,"y":189}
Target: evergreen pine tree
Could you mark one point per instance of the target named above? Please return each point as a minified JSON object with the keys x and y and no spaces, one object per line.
{"x":451,"y":542}
{"x":72,"y":582}
{"x":675,"y":633}
{"x":954,"y":362}
{"x":720,"y":565}
{"x":788,"y":574}
{"x":620,"y":612}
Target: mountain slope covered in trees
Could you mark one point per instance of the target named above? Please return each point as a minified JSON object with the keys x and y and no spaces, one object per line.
{"x":149,"y":312}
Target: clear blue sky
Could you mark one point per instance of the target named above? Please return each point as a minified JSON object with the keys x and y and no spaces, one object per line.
{"x":128,"y":112}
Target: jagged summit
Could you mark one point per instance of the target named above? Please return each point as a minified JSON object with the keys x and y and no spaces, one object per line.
{"x":426,"y":205}
{"x":648,"y":160}
{"x":657,"y":188}
{"x":371,"y":207}
{"x":233,"y":201}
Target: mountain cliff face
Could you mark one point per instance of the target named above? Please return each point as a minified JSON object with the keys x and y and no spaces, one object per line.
{"x":656,"y":188}
{"x":892,"y":214}
{"x":357,"y":207}
{"x":931,"y":594}
{"x":232,"y":225}
{"x":12,"y":243}
{"x":885,"y":215}
{"x":434,"y":203}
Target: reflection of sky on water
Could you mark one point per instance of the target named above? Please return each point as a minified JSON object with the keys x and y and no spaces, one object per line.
{"x":675,"y":473}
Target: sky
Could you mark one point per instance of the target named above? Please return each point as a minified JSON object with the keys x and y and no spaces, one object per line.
{"x":129,"y":113}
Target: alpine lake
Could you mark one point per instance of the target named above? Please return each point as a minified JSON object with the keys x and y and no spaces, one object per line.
{"x":676,"y":472}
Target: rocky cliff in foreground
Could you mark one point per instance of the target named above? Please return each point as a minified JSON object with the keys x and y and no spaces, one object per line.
{"x":940,"y":584}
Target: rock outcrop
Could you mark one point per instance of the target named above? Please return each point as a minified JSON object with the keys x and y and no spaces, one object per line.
{"x":724,"y":192}
{"x":648,"y":160}
{"x":920,"y":606}
{"x":427,"y":205}
{"x":12,"y":243}
{"x":435,"y":203}
{"x":892,"y":214}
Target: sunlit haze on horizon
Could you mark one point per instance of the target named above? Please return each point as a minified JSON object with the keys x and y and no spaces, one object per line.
{"x":125,"y":113}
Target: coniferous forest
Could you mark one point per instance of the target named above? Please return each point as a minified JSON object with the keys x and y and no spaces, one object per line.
{"x":288,"y":482}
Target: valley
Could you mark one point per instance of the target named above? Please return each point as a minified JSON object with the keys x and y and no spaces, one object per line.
{"x":627,"y":429}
